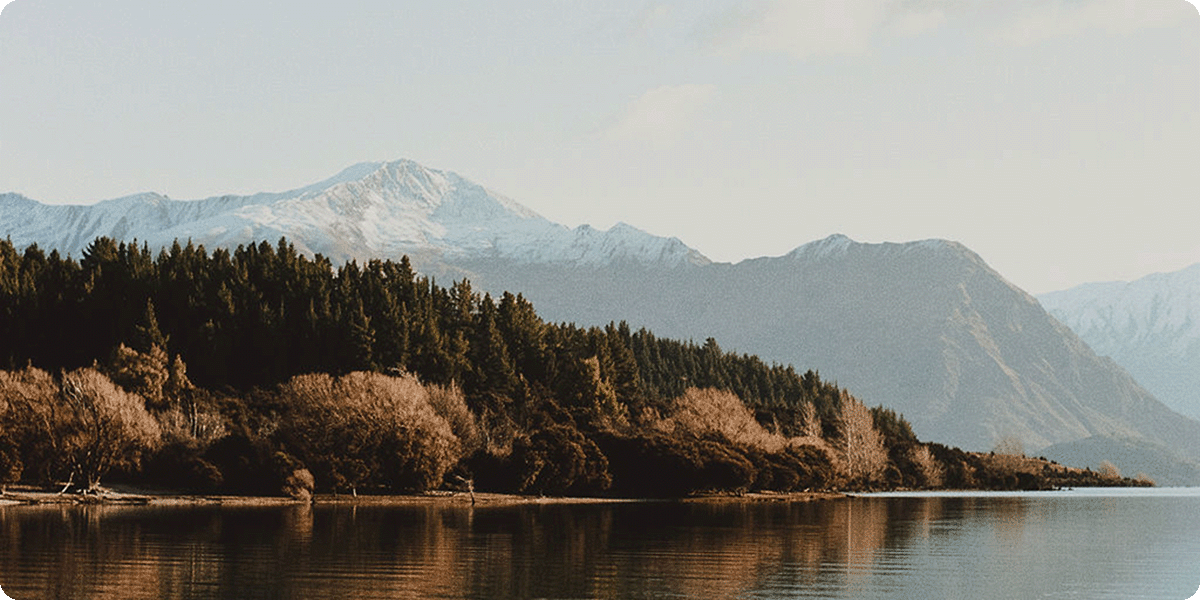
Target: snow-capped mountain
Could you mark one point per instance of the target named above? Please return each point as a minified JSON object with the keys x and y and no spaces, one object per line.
{"x":370,"y":210}
{"x":1150,"y":326}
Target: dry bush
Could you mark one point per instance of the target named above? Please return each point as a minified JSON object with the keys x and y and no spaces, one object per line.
{"x":369,"y":428}
{"x":80,"y":426}
{"x":1008,"y":456}
{"x":22,"y":390}
{"x":932,"y":471}
{"x":25,"y":398}
{"x":703,"y":412}
{"x":299,"y":485}
{"x":1108,"y":469}
{"x":448,"y":402}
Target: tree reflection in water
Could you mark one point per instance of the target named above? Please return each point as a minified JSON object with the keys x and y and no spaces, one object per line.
{"x":851,"y":548}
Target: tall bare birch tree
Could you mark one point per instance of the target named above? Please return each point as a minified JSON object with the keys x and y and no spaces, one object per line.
{"x":810,"y":422}
{"x":864,"y":457}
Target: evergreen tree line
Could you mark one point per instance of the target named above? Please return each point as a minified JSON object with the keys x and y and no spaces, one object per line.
{"x":262,"y":369}
{"x":261,"y":314}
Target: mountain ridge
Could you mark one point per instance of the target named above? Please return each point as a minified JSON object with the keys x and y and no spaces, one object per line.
{"x":369,"y":210}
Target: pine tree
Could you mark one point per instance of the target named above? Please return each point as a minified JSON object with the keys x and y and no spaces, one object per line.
{"x":492,"y":368}
{"x":361,"y":341}
{"x":146,"y":334}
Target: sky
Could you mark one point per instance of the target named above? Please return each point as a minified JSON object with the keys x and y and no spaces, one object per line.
{"x":1059,"y":139}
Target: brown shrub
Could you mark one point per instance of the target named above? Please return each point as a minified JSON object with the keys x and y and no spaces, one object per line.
{"x":705,"y":412}
{"x":368,"y":428}
{"x":80,"y":426}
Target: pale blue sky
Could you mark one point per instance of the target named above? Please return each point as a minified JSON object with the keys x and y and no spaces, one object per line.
{"x":1057,"y":138}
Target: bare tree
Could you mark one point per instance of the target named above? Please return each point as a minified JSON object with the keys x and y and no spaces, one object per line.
{"x":1010,"y":445}
{"x":449,"y":403}
{"x":864,"y":457}
{"x":931,"y":470}
{"x":1108,"y":469}
{"x":1009,"y":454}
{"x":810,"y":422}
{"x":82,"y":424}
{"x":101,"y":426}
{"x":13,"y":424}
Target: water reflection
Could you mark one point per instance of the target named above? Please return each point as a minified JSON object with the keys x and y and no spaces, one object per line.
{"x":908,"y":547}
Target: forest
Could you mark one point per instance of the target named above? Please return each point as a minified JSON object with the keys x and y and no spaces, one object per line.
{"x":264,"y":371}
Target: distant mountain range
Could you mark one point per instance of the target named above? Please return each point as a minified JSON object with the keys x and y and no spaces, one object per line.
{"x":1150,"y":326}
{"x":925,"y":328}
{"x":370,"y":210}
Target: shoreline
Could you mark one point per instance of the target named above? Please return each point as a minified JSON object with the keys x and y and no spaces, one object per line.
{"x":121,"y":495}
{"x":131,"y":496}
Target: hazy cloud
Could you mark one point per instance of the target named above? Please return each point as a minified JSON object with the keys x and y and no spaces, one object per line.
{"x":1048,"y":19}
{"x":662,"y":114}
{"x":808,"y":28}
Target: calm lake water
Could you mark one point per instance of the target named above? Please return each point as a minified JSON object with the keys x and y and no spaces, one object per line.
{"x":1091,"y":544}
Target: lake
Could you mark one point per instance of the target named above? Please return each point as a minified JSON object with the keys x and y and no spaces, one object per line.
{"x":1093,"y":544}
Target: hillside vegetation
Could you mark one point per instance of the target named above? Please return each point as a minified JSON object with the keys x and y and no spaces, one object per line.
{"x":263,"y":371}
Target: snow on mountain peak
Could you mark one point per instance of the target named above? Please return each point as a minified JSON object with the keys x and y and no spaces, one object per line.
{"x":1150,"y":326}
{"x":1162,"y":306}
{"x":368,"y":210}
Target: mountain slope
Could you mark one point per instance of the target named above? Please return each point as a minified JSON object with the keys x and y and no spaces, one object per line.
{"x":926,"y":328}
{"x":1150,"y":326}
{"x":371,"y":210}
